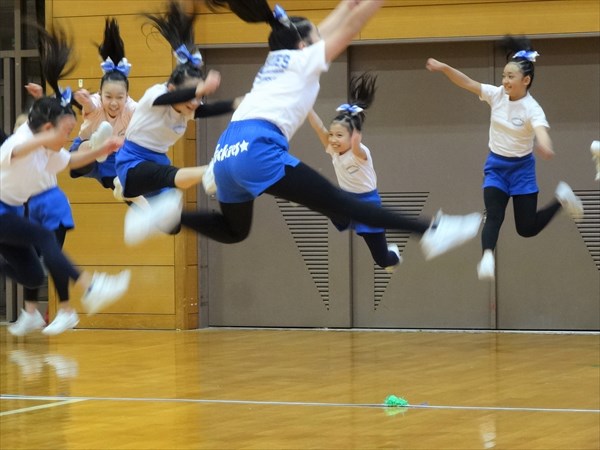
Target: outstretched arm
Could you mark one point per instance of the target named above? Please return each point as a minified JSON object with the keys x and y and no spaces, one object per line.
{"x":357,"y":149}
{"x":83,"y":97}
{"x":350,"y":17}
{"x":81,"y":158}
{"x":317,"y":124}
{"x":456,"y":76}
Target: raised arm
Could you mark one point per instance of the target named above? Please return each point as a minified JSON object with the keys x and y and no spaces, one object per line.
{"x":350,"y":16}
{"x":456,"y":76}
{"x":83,"y":97}
{"x":317,"y":124}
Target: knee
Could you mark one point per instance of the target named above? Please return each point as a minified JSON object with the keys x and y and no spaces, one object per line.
{"x":525,"y":231}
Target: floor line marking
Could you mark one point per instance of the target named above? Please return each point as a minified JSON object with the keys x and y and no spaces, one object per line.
{"x":284,"y":403}
{"x":34,"y":408}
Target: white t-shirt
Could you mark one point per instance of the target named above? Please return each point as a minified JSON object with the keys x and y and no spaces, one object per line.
{"x":512,"y":123}
{"x":92,"y":121}
{"x":354,"y":174}
{"x":20,"y":178}
{"x":156,"y":127}
{"x":285,"y":88}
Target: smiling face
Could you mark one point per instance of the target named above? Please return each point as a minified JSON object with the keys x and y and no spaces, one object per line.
{"x":514,"y":83}
{"x":113,"y":96}
{"x":339,"y":138}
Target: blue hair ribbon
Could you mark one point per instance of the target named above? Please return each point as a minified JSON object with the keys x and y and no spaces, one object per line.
{"x":281,"y":16}
{"x":353,"y":110}
{"x":183,"y":55}
{"x":109,"y":66}
{"x":529,"y":55}
{"x":65,"y":97}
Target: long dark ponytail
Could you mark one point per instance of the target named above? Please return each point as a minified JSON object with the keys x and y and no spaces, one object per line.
{"x":55,"y":52}
{"x":177,"y":27}
{"x":286,"y":32}
{"x":112,"y":51}
{"x":519,"y":51}
{"x":361,"y":94}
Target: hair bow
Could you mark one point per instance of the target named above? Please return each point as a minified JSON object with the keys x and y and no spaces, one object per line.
{"x":280,"y":14}
{"x":109,"y":66}
{"x":353,"y":110}
{"x":183,"y":55}
{"x":65,"y":97}
{"x":529,"y":55}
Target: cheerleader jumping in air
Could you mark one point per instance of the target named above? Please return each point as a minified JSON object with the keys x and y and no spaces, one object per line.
{"x":354,"y":166}
{"x":252,"y":155}
{"x":108,"y":112}
{"x":162,"y":114}
{"x":29,"y":161}
{"x":518,"y":127}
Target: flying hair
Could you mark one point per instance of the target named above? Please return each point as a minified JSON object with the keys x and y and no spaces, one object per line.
{"x":285,"y":34}
{"x":361,"y":94}
{"x":519,"y":51}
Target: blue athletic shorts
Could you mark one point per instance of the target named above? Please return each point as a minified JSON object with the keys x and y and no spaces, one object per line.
{"x":50,"y":209}
{"x":132,"y":154}
{"x":514,"y":176}
{"x":101,"y":170}
{"x":251,"y":156}
{"x":361,"y":228}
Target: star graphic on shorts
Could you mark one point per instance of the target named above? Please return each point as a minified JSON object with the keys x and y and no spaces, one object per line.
{"x":244,"y":146}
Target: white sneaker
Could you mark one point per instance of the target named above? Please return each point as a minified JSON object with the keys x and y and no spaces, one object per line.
{"x":569,"y":201}
{"x":595,"y":149}
{"x":162,"y":215}
{"x":208,"y":179}
{"x":64,"y":320}
{"x":450,"y":232}
{"x":99,"y":137}
{"x":118,"y":190}
{"x":26,"y":323}
{"x":394,"y":248}
{"x":105,"y":290}
{"x":486,"y":269}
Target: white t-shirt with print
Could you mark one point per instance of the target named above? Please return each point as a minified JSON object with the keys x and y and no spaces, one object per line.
{"x":285,"y":88}
{"x":156,"y":127}
{"x":512,"y":123}
{"x":354,"y":174}
{"x":21,"y":178}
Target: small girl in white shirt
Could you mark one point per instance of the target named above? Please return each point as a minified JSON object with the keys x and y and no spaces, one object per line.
{"x":354,"y":166}
{"x":518,"y":126}
{"x":161,"y":118}
{"x":107,"y":112}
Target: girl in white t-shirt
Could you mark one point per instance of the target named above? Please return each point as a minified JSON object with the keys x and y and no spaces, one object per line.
{"x":163,"y":112}
{"x":354,"y":166}
{"x":107,"y":112}
{"x":29,"y":161}
{"x":252,"y":157}
{"x":518,"y":126}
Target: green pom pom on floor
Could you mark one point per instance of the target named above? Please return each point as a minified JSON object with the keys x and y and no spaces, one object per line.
{"x":392,"y":400}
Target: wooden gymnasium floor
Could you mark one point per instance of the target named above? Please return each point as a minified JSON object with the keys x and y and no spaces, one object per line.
{"x":299,"y":389}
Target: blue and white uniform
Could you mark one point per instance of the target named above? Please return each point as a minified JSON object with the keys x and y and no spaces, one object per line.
{"x":32,"y":179}
{"x":510,"y":165}
{"x":357,"y":176}
{"x":252,"y":153}
{"x":151,"y":131}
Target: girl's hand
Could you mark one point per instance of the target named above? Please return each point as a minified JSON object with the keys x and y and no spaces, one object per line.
{"x":356,"y":138}
{"x":82,"y":96}
{"x":35,"y":90}
{"x":544,"y":152}
{"x":210,"y":84}
{"x":433,"y":65}
{"x":111,"y":145}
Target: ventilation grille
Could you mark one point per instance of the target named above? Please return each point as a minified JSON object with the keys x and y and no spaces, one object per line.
{"x":589,"y":226}
{"x":409,"y":204}
{"x":310,"y":232}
